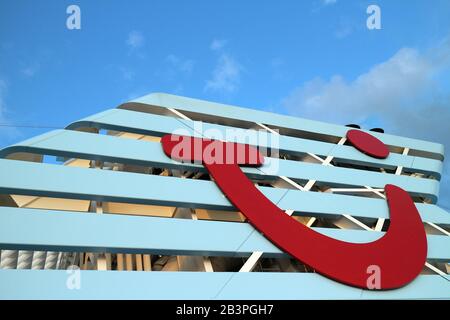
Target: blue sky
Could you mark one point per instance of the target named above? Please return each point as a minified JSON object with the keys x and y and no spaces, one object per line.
{"x":314,"y":58}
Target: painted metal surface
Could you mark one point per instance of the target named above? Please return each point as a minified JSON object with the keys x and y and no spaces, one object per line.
{"x":297,"y":170}
{"x":150,"y":124}
{"x":401,"y":252}
{"x":116,"y":233}
{"x":26,"y":178}
{"x":67,"y":143}
{"x":75,"y":231}
{"x":52,"y":284}
{"x":163,"y":100}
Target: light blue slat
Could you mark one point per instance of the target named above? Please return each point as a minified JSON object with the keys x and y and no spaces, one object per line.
{"x":319,"y":204}
{"x":26,"y":178}
{"x":19,"y":177}
{"x":37,"y":284}
{"x":34,"y":229}
{"x":99,"y":147}
{"x":277,"y":120}
{"x":124,"y":120}
{"x":347,"y":176}
{"x":343,"y":153}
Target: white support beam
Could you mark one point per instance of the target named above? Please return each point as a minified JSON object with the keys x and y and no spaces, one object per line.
{"x":379,"y":225}
{"x":433,"y":268}
{"x":292,"y":183}
{"x":316,"y":157}
{"x":311,"y":222}
{"x":178,"y":113}
{"x":357,"y":190}
{"x":251,"y":262}
{"x":399,"y":169}
{"x":438,"y":228}
{"x":357,"y":222}
{"x":267,"y":128}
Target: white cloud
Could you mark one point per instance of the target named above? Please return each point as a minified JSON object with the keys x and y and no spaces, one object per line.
{"x":226,"y":75}
{"x":218,"y":44}
{"x":328,"y":2}
{"x":276,"y":62}
{"x":278,"y":68}
{"x":30,"y":70}
{"x":401,"y":93}
{"x":319,"y":5}
{"x":176,"y":63}
{"x":2,"y":97}
{"x":127,"y":73}
{"x":6,"y":132}
{"x":388,"y":85}
{"x":135,"y":40}
{"x":227,"y":72}
{"x":343,"y":31}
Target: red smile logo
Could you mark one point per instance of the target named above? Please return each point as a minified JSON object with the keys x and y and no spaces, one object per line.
{"x":400,"y":254}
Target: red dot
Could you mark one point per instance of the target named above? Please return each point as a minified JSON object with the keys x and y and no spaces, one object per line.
{"x":367,"y":144}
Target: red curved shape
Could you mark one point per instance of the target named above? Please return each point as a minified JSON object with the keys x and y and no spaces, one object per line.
{"x":367,"y":144}
{"x":400,"y":254}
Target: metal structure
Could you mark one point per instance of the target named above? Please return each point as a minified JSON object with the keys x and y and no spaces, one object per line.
{"x":141,"y":226}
